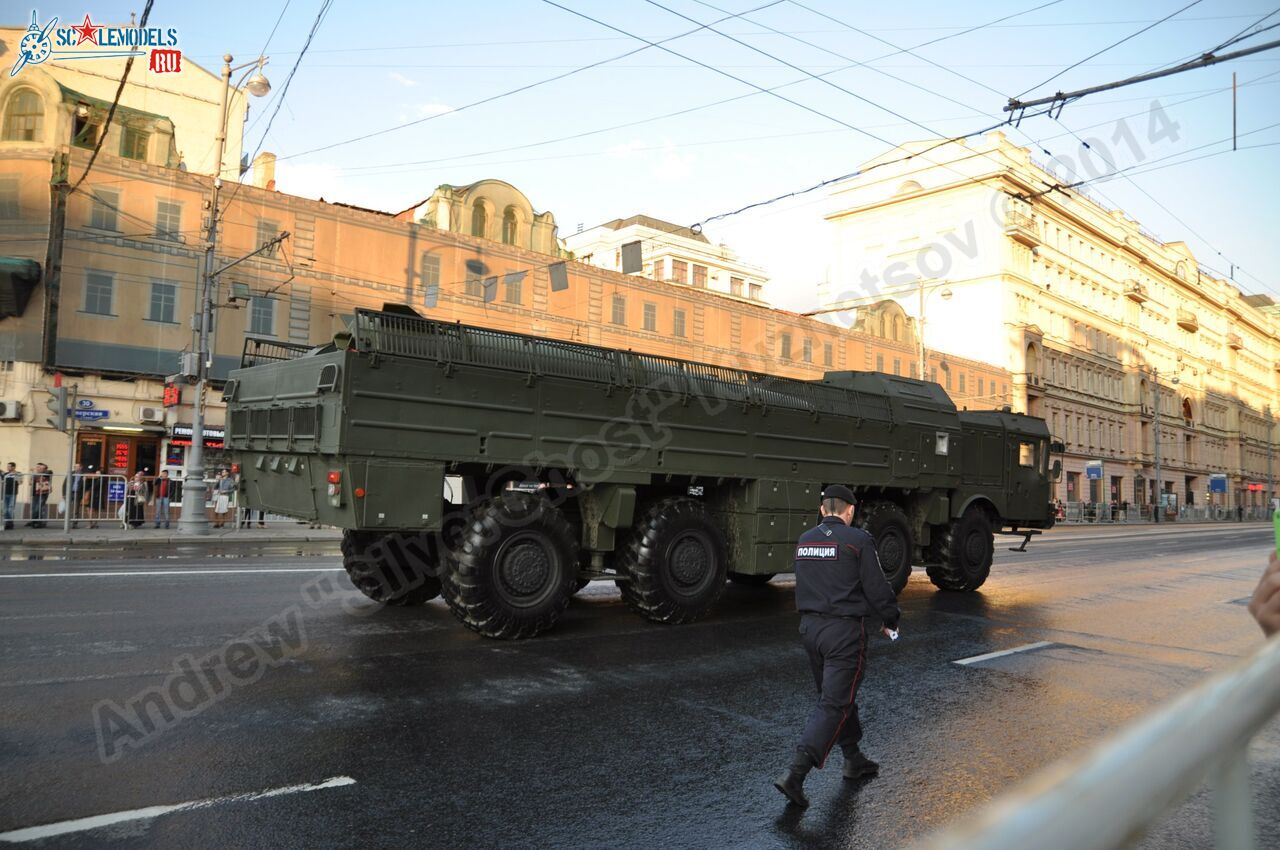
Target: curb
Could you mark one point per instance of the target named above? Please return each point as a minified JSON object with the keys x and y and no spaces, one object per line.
{"x":140,"y":542}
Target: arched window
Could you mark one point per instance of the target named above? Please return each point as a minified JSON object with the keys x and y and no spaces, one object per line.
{"x":24,"y":117}
{"x":1186,"y":409}
{"x":509,"y":226}
{"x":1033,"y":362}
{"x":479,"y":219}
{"x":897,"y":329}
{"x":884,"y":326}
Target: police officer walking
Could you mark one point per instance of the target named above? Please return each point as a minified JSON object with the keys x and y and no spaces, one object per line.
{"x":839,"y":584}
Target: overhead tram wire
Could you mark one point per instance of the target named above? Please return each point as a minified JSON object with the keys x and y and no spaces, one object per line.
{"x":1108,"y":47}
{"x":515,"y":91}
{"x":1240,"y":36}
{"x":735,"y":98}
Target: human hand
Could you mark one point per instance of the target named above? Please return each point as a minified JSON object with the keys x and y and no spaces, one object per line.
{"x":1265,"y":605}
{"x":891,"y":634}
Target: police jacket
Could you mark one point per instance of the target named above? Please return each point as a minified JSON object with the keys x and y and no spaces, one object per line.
{"x":838,"y":574}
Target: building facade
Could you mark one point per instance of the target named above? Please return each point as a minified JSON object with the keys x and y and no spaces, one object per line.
{"x":1124,"y":343}
{"x":668,"y":252}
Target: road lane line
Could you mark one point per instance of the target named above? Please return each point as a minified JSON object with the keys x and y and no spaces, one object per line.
{"x":172,"y":573}
{"x":63,"y":614}
{"x":990,"y":655}
{"x":36,"y":833}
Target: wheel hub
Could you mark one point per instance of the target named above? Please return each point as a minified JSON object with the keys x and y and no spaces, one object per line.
{"x":690,"y":561}
{"x":890,"y":551}
{"x":524,"y":568}
{"x":975,"y":547}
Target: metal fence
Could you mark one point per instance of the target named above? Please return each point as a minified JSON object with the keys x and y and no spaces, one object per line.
{"x":106,"y":501}
{"x":1110,"y":796}
{"x":1123,"y":512}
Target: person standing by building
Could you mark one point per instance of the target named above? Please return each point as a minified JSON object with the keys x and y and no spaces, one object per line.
{"x":94,"y":500}
{"x":222,"y":488}
{"x":12,"y":481}
{"x":41,"y":487}
{"x":839,"y":585}
{"x":136,"y":495}
{"x":161,"y":493}
{"x":74,"y":493}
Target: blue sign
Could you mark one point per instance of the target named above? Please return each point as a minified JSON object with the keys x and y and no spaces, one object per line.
{"x":1093,"y":470}
{"x":1217,"y":483}
{"x":115,"y":491}
{"x":85,"y":403}
{"x":92,"y":414}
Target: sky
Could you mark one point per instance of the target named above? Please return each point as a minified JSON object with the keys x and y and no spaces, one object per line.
{"x":606,"y":141}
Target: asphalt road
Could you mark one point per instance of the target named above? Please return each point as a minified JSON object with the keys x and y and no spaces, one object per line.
{"x":357,"y":725}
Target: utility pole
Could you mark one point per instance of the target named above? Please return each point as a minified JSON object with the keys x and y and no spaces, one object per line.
{"x":1155,"y":373}
{"x":920,"y":334}
{"x":1270,"y":483}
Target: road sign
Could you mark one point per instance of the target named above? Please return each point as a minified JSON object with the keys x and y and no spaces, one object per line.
{"x":85,"y":404}
{"x":1217,"y":483}
{"x":92,"y":414}
{"x":115,"y":491}
{"x":1093,"y":470}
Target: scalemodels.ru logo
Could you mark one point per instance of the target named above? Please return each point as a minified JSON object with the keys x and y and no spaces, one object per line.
{"x":40,"y":44}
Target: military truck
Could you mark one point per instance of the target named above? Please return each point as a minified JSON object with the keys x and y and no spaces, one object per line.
{"x":505,"y":471}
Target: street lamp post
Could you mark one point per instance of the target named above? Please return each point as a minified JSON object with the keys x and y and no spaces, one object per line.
{"x":946,"y":296}
{"x":193,"y":519}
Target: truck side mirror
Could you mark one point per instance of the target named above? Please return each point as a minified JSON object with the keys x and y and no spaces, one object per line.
{"x":1055,"y":471}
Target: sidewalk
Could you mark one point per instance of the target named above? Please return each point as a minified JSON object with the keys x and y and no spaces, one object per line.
{"x":116,"y":537}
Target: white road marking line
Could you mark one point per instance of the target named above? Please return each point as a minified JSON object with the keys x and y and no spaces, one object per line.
{"x":975,"y":659}
{"x":63,"y":614}
{"x":35,"y":833}
{"x":171,"y":573}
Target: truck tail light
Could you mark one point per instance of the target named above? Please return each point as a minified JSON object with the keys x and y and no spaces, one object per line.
{"x":335,"y":487}
{"x":335,"y":477}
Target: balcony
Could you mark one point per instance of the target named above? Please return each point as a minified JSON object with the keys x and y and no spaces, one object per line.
{"x":1022,"y":228}
{"x":1234,"y":341}
{"x":1188,"y":321}
{"x":1135,"y":291}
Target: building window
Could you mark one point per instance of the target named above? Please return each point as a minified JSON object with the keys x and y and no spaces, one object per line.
{"x":619,"y":316}
{"x":679,"y":271}
{"x":169,"y":220}
{"x":85,"y":128}
{"x":133,"y":143}
{"x":650,"y":316}
{"x":659,"y":267}
{"x":163,"y":297}
{"x":474,"y":286}
{"x":98,"y":290}
{"x":262,"y":316}
{"x":826,"y":354}
{"x":947,"y":374}
{"x":700,"y":277}
{"x":430,"y":271}
{"x":9,"y":206}
{"x":509,"y":226}
{"x":897,"y":366}
{"x":514,"y":288}
{"x":479,"y":219}
{"x":755,"y":291}
{"x":933,"y":374}
{"x":981,"y":387}
{"x":735,"y":285}
{"x":268,"y":230}
{"x":806,"y":350}
{"x":879,"y":362}
{"x":103,"y":214}
{"x":786,"y":346}
{"x":24,"y":117}
{"x":962,"y":377}
{"x":677,"y":323}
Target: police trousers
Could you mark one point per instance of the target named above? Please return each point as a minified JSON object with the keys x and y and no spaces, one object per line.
{"x":837,"y":650}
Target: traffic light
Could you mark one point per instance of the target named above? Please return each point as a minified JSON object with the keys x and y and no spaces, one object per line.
{"x":58,"y":404}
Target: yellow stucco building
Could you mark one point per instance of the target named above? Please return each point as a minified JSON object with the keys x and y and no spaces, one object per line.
{"x":1093,"y":317}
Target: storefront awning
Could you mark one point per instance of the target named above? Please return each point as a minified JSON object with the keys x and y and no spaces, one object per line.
{"x":18,"y":279}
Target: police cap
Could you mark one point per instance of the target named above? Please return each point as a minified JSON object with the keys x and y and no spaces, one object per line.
{"x":838,"y":491}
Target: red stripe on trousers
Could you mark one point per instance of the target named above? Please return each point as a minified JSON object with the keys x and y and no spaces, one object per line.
{"x":853,"y":689}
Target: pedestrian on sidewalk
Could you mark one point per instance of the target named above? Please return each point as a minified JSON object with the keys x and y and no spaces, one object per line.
{"x":41,"y":487}
{"x":94,"y":500}
{"x":74,"y":493}
{"x":12,"y":481}
{"x":223,"y":486}
{"x":160,"y":495}
{"x":839,"y":585}
{"x":136,"y":496}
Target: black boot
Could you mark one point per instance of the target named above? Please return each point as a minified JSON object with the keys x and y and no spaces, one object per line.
{"x":858,"y":766}
{"x":791,"y":783}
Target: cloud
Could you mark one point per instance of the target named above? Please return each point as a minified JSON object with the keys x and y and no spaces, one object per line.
{"x":402,"y":79}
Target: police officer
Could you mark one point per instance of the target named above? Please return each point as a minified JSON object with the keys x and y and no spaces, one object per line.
{"x":839,"y":584}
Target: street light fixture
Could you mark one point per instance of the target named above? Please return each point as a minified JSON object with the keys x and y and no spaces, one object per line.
{"x":193,"y":519}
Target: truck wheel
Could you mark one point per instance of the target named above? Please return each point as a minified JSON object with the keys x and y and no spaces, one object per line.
{"x":394,"y":569}
{"x":514,"y":569}
{"x":750,"y":579}
{"x":675,"y":562}
{"x":963,"y":552}
{"x":888,"y":525}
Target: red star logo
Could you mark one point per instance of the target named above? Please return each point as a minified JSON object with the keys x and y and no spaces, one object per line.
{"x":88,"y":31}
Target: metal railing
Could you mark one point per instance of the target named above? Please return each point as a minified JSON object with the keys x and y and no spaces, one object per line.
{"x":1073,"y":513}
{"x":1115,"y":793}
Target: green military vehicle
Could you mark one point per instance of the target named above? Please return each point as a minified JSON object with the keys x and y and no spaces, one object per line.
{"x":506,"y":471}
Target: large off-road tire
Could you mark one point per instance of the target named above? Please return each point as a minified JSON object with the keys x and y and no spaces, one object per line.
{"x":750,"y":579}
{"x":514,"y":567}
{"x":394,"y":569}
{"x":675,"y":562}
{"x":889,"y":527}
{"x":962,"y":552}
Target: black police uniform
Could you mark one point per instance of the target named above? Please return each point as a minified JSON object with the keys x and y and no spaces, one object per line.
{"x":839,"y":584}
